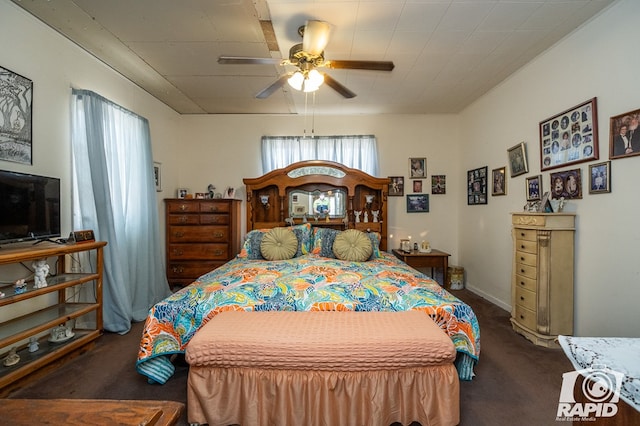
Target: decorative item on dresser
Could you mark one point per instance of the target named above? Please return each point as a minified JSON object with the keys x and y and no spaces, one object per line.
{"x":542,"y":290}
{"x":200,"y":236}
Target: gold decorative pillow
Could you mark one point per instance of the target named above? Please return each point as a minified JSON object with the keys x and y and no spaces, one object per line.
{"x":279,"y":244}
{"x":352,"y":245}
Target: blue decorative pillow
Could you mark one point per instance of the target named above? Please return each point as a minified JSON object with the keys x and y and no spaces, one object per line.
{"x":251,"y":247}
{"x":375,"y":238}
{"x":305,"y":238}
{"x":323,"y":239}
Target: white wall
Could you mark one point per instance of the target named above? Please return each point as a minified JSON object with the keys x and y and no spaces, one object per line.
{"x":598,"y":60}
{"x":225,"y":149}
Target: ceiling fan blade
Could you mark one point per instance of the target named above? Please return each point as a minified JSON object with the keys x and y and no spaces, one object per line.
{"x":360,"y":65}
{"x":315,"y":37}
{"x":248,"y":60}
{"x":265,"y":93}
{"x":338,"y":87}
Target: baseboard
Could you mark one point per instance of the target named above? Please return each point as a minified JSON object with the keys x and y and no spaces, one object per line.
{"x":488,"y":297}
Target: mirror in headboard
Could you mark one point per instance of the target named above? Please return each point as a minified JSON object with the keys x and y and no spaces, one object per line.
{"x":317,"y":203}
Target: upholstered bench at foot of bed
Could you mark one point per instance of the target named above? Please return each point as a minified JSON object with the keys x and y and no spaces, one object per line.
{"x":369,"y":368}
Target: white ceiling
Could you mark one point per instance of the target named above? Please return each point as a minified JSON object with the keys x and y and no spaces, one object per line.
{"x":447,"y":53}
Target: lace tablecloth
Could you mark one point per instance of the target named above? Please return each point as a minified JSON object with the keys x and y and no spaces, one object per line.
{"x":617,"y":354}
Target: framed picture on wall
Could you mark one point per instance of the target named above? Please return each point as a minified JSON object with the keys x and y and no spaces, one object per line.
{"x":534,"y":188}
{"x":157,"y":175}
{"x":16,"y":99}
{"x":477,"y":186}
{"x":570,"y":137}
{"x":438,"y":184}
{"x":417,"y":186}
{"x":499,"y":181}
{"x":566,"y":184}
{"x":417,"y":168}
{"x":418,"y":203}
{"x":600,"y":178}
{"x":518,"y":159}
{"x":396,"y":186}
{"x":624,"y":135}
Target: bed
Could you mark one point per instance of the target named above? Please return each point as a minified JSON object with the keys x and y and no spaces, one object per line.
{"x":318,"y":202}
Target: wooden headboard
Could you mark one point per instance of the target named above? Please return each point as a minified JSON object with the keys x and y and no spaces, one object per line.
{"x":269,"y":202}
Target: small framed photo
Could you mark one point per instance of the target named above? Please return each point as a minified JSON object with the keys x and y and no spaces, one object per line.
{"x":201,"y":195}
{"x":157,"y":175}
{"x":518,"y":159}
{"x":477,"y":186}
{"x":600,"y":178}
{"x":396,"y":186}
{"x":418,"y":203}
{"x":534,"y":187}
{"x":405,"y":245}
{"x":624,"y":135}
{"x":566,"y":184}
{"x":417,"y":186}
{"x":230,"y":192}
{"x":499,"y":181}
{"x":417,"y":168}
{"x":438,"y":184}
{"x":182,"y":192}
{"x":570,"y":137}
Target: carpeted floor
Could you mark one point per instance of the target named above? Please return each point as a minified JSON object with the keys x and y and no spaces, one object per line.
{"x":516,"y":382}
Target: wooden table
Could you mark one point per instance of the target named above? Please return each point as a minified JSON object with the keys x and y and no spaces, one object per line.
{"x":434,"y":259}
{"x":90,"y":412}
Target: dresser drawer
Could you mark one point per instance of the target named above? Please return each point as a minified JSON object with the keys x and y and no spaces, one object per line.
{"x":526,"y":298}
{"x":214,"y":207}
{"x":526,"y":270}
{"x":524,"y":282}
{"x":526,"y":317}
{"x":198,"y":251}
{"x":189,"y":270}
{"x":214,"y":219}
{"x":526,"y":234}
{"x":525,"y":258}
{"x":198,"y":234}
{"x":182,"y":206}
{"x":183,"y":219}
{"x":527,"y":246}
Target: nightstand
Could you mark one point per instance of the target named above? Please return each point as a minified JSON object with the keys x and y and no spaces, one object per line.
{"x":434,"y":259}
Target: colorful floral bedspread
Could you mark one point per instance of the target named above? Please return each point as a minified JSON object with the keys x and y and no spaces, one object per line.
{"x":305,"y":283}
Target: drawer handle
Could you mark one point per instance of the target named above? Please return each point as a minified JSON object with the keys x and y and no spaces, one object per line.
{"x":522,"y":246}
{"x":177,"y":252}
{"x":522,"y":234}
{"x":183,"y":207}
{"x":218,"y":252}
{"x":179,"y":234}
{"x":521,"y":316}
{"x":522,"y":270}
{"x":522,"y":258}
{"x":521,"y":298}
{"x":182,"y":219}
{"x":522,"y":283}
{"x":218,"y":234}
{"x":177,"y":270}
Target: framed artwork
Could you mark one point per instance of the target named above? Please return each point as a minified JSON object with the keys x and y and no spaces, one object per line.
{"x":201,"y":195}
{"x":418,"y":203}
{"x":396,"y":186}
{"x":534,"y":187}
{"x":417,"y":186}
{"x":624,"y":135}
{"x":16,"y":100}
{"x":570,"y":137}
{"x":157,"y":175}
{"x":566,"y":184}
{"x":600,"y":178}
{"x":438,"y":184}
{"x":405,"y":245}
{"x":182,"y":192}
{"x":499,"y":181}
{"x":518,"y":159}
{"x":230,"y":192}
{"x":477,"y":186}
{"x":417,"y":168}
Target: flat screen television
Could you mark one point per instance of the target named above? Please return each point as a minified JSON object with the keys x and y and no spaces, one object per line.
{"x":29,"y":207}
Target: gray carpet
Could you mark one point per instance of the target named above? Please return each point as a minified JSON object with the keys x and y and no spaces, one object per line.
{"x":516,"y":382}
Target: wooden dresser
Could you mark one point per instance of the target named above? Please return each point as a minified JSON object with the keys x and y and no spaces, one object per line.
{"x":200,"y":236}
{"x":542,"y":277}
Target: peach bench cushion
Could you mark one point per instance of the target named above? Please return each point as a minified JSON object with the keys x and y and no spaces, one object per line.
{"x":324,"y":341}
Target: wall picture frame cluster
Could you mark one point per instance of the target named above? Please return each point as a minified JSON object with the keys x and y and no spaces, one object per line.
{"x":477,"y":186}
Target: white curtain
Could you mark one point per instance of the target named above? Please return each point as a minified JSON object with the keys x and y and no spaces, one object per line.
{"x":358,"y":152}
{"x":114,"y":194}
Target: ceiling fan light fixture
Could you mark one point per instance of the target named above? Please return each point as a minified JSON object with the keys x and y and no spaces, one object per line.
{"x":296,"y":80}
{"x":314,"y":78}
{"x":315,"y":36}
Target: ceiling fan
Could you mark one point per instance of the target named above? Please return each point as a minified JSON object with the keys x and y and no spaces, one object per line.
{"x":307,"y":56}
